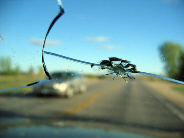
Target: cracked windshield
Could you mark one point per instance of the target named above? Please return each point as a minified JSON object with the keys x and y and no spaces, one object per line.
{"x":94,"y":68}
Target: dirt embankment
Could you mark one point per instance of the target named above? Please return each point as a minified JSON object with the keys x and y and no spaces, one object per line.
{"x":165,"y":89}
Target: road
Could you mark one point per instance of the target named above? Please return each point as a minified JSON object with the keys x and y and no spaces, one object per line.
{"x":110,"y":104}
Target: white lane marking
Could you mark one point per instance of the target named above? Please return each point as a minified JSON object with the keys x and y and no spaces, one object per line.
{"x":175,"y":111}
{"x":170,"y":107}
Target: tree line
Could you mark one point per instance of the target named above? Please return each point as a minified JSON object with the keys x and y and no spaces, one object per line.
{"x":172,"y":55}
{"x":6,"y":68}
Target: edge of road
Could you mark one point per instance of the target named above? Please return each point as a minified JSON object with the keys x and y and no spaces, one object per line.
{"x":165,"y":90}
{"x":172,"y":99}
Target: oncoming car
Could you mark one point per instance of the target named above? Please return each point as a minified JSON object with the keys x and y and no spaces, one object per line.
{"x":62,"y":84}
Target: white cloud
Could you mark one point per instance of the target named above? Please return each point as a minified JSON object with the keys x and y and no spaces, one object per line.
{"x":109,"y":47}
{"x":96,"y":39}
{"x":48,"y":42}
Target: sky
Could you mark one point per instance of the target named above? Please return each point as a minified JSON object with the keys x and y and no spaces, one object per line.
{"x":90,"y":30}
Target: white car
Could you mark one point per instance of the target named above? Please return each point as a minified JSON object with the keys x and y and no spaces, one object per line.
{"x":62,"y":84}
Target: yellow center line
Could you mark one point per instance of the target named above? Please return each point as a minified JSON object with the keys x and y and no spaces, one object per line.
{"x":76,"y":108}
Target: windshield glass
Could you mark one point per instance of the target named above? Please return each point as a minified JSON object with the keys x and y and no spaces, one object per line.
{"x":92,"y":68}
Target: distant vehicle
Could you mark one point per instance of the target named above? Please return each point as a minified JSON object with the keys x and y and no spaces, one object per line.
{"x":62,"y":84}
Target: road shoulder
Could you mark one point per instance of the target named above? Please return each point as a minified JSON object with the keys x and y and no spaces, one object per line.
{"x":165,"y":89}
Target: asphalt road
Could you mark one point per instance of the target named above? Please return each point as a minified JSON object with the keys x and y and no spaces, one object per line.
{"x":110,"y":104}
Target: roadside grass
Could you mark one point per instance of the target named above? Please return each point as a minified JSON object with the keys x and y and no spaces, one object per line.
{"x":179,"y":89}
{"x":149,"y":78}
{"x":7,"y":82}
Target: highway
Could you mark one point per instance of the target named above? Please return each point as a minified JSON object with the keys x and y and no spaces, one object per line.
{"x":109,"y":104}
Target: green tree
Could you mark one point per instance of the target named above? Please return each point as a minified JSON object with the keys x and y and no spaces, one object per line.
{"x":31,"y":70}
{"x":170,"y":54}
{"x":2,"y":65}
{"x":17,"y":70}
{"x":8,"y":66}
{"x":40,"y":70}
{"x":181,"y":68}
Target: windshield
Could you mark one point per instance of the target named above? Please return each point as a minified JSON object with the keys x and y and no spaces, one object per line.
{"x":117,"y":66}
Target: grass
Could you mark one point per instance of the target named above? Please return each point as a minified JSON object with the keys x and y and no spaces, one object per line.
{"x":7,"y":82}
{"x":179,"y":88}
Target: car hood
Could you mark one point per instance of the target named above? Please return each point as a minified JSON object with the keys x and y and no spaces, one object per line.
{"x":24,"y":127}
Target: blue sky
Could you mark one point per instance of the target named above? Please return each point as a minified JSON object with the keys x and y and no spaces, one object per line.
{"x":90,"y":30}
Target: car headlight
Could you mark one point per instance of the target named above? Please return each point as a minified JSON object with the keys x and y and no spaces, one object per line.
{"x":59,"y":86}
{"x":56,"y":86}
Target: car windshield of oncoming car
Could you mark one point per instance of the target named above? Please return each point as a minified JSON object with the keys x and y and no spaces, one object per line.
{"x":62,"y":75}
{"x":144,"y":36}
